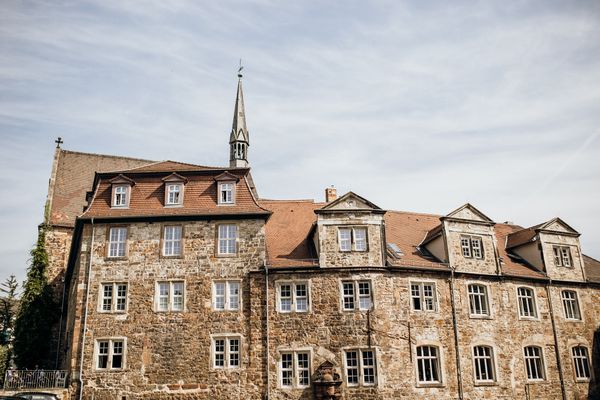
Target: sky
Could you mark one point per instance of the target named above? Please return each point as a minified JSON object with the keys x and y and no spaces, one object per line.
{"x":417,"y":106}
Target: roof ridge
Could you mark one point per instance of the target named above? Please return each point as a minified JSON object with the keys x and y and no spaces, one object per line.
{"x":292,"y":200}
{"x":414,"y":213}
{"x":105,"y":155}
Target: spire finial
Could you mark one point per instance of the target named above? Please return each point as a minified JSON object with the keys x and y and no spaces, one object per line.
{"x":58,"y":142}
{"x":240,"y":69}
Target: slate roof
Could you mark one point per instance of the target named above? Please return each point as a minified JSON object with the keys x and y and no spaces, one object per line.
{"x":74,"y":177}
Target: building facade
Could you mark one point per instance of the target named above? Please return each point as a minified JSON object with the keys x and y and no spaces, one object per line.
{"x":180,"y":282}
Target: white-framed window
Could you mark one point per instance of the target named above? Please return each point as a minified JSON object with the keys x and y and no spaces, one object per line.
{"x":110,"y":353}
{"x":170,"y":295}
{"x":571,"y":304}
{"x":428,"y":365}
{"x":174,"y":194}
{"x":562,"y":256}
{"x":226,"y":351}
{"x":478,"y":300}
{"x":581,"y":362}
{"x":226,"y":295}
{"x":227,"y":242}
{"x":353,"y":239}
{"x":226,"y":193}
{"x":356,"y":295}
{"x":172,"y":240}
{"x":113,"y":297}
{"x":422,"y":296}
{"x":120,"y":196}
{"x":471,"y":246}
{"x":526,"y":299}
{"x":117,"y":241}
{"x":360,"y":366}
{"x":534,"y":363}
{"x":294,"y":369}
{"x":484,"y":367}
{"x":292,"y":296}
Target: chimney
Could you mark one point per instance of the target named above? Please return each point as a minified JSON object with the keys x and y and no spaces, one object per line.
{"x":330,"y":194}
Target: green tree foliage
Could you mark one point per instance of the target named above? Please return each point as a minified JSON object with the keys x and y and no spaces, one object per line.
{"x":8,"y":305}
{"x":38,"y":311}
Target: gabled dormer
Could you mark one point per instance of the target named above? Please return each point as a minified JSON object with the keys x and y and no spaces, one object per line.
{"x":226,"y":188}
{"x":552,"y":247}
{"x":174,"y":190}
{"x":467,"y":237}
{"x":121,"y":191}
{"x":350,"y":232}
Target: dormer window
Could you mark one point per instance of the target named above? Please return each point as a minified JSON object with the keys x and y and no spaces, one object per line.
{"x":562,"y":256}
{"x":226,"y":192}
{"x":174,"y":195}
{"x":121,"y":191}
{"x":352,"y":239}
{"x":120,"y":196}
{"x":471,"y":246}
{"x":174,"y":185}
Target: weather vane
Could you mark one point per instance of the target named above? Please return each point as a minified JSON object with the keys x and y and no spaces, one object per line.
{"x":240,"y":69}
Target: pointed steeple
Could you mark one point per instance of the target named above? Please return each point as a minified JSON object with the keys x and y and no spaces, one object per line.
{"x":239,"y":140}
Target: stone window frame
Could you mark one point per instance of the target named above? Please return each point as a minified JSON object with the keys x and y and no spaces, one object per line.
{"x":577,"y":303}
{"x":470,"y":248}
{"x":494,"y":363}
{"x":111,"y":340}
{"x":227,"y":304}
{"x":560,"y":257}
{"x":441,"y":382}
{"x":535,"y":317}
{"x":421,"y":295}
{"x":181,"y":191}
{"x":576,"y":366}
{"x":163,"y":240}
{"x":108,"y":241}
{"x":227,"y":337}
{"x":218,"y":239}
{"x":361,"y":367}
{"x":220,"y":191}
{"x":352,"y":239}
{"x":295,"y":367}
{"x":356,"y":295}
{"x":171,"y":282}
{"x":293,"y":283}
{"x":114,"y":297}
{"x":487,"y":297}
{"x":542,"y":358}
{"x":113,"y":196}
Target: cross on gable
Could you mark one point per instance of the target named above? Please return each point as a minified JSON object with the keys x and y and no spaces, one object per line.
{"x":58,"y":142}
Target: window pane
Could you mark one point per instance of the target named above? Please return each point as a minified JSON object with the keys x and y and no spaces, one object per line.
{"x":360,"y":239}
{"x":348,"y":295}
{"x":345,"y":239}
{"x":234,"y":295}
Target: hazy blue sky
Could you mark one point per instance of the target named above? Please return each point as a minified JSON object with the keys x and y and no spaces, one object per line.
{"x":418,"y":106}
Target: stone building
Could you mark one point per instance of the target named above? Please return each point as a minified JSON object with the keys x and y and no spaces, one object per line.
{"x":181,"y":282}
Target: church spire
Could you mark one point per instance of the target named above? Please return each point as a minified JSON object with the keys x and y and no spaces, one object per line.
{"x":239,"y":140}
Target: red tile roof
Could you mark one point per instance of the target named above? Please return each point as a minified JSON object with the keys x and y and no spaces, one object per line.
{"x":75,"y":176}
{"x":171,"y":166}
{"x":148,"y":194}
{"x":511,"y":266}
{"x":287,"y":232}
{"x":592,"y":268}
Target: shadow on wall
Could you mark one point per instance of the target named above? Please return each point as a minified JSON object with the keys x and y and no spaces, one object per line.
{"x":594,"y":391}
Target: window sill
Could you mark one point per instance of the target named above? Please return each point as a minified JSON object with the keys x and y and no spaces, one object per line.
{"x":356,"y":386}
{"x":577,"y":321}
{"x":173,"y":205}
{"x":178,"y":256}
{"x":118,"y":208}
{"x":486,"y":383}
{"x":529,"y":319}
{"x":227,"y":255}
{"x":485,"y":317}
{"x":533,"y":381}
{"x":226,"y":204}
{"x":108,"y":258}
{"x":112,"y":312}
{"x":431,"y":385}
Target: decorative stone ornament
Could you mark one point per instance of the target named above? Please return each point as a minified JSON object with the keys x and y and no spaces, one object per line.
{"x":327,"y":382}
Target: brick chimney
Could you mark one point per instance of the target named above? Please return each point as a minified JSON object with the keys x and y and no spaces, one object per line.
{"x":330,"y":194}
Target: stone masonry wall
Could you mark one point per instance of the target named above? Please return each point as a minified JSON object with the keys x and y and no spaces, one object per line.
{"x":168,"y":354}
{"x":454,"y":231}
{"x":574,"y":273}
{"x":329,"y":249}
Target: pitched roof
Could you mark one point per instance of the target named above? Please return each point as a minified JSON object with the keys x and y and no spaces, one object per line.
{"x":521,"y":237}
{"x":168,"y":166}
{"x":510,"y":265}
{"x":287,"y":232}
{"x":592,"y":268}
{"x":74,"y":177}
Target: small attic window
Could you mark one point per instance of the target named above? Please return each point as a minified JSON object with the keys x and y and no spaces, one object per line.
{"x":174,"y":185}
{"x":226,"y":192}
{"x":395,"y":250}
{"x":121,"y":191}
{"x":120,"y":195}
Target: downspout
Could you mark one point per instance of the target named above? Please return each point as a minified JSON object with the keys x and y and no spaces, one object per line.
{"x":267,"y":328}
{"x":455,"y":328}
{"x":85,"y":314}
{"x":556,"y":349}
